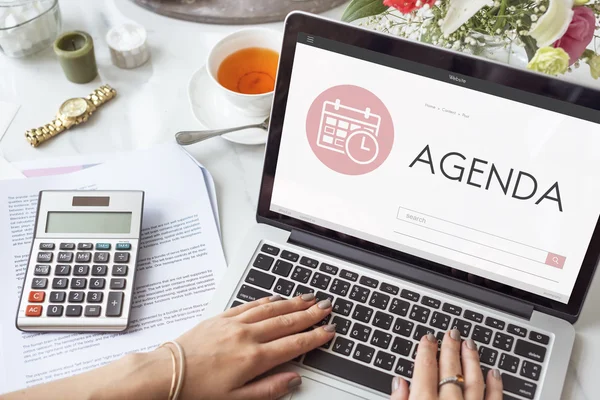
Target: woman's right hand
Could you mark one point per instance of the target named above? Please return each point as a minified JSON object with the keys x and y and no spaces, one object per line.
{"x":456,"y":357}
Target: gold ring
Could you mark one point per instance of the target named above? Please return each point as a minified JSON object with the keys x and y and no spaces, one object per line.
{"x":457,"y":380}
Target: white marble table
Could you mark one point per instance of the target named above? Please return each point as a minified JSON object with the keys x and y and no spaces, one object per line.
{"x":152,"y":106}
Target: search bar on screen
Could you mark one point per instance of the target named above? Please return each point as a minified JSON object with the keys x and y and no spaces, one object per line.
{"x":473,"y":242}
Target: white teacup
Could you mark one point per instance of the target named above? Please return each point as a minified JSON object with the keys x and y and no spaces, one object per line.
{"x":248,"y":104}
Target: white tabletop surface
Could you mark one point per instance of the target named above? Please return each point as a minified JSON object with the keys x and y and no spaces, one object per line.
{"x":152,"y":105}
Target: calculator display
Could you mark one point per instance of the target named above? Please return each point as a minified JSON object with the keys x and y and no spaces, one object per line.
{"x":88,"y":222}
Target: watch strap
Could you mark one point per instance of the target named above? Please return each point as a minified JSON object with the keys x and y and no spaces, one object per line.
{"x":101,"y":95}
{"x":39,"y":135}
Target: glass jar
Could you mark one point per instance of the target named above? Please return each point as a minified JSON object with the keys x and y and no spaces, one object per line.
{"x":28,"y":26}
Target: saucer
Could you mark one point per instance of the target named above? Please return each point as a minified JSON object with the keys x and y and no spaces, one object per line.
{"x":213,"y":111}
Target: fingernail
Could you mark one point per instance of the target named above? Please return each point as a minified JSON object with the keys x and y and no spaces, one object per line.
{"x":308,"y":296}
{"x":455,"y":334}
{"x":396,"y":383}
{"x":294,"y":383}
{"x":496,"y":374}
{"x":324,"y":304}
{"x":330,"y":328}
{"x":471,"y":344}
{"x":431,"y":338}
{"x":275,"y":298}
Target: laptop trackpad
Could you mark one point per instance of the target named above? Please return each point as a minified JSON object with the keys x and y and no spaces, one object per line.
{"x":311,"y":389}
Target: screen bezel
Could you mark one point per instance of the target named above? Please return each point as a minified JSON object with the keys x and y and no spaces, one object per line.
{"x":516,"y":79}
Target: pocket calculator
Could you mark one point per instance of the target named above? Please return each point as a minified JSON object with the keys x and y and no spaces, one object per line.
{"x":81,"y":269}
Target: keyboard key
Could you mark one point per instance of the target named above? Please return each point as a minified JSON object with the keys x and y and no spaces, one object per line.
{"x":57,"y":297}
{"x":328,"y":268}
{"x":503,"y":341}
{"x":370,"y":282}
{"x":488,"y":356}
{"x":54,"y":311}
{"x":257,"y":278}
{"x":410,"y":295}
{"x":121,"y":270}
{"x":360,"y":332}
{"x":83,"y":257}
{"x":73,"y":311}
{"x":431,"y":302}
{"x":301,"y":274}
{"x":288,"y":255}
{"x":362,"y":313}
{"x":320,"y":281}
{"x":484,"y":372}
{"x":452,"y":309}
{"x":391,"y":289}
{"x":102,"y":246}
{"x":518,"y":386}
{"x":414,"y":354}
{"x":405,"y":368}
{"x":284,"y":287}
{"x":263,"y":261}
{"x":85,"y":246}
{"x":76,"y":297}
{"x":236,"y":303}
{"x":97,"y":283}
{"x":123,"y":246}
{"x":403,"y":327}
{"x":401,"y":346}
{"x":342,"y":324}
{"x":340,"y":287}
{"x":440,"y":321}
{"x":399,"y":307}
{"x":81,"y":270}
{"x":121,"y":257}
{"x":118,"y":284}
{"x":351,"y":276}
{"x":343,"y":307}
{"x":78,"y":283}
{"x":473,"y":316}
{"x":248,"y":293}
{"x":379,"y":300}
{"x":114,"y":304}
{"x":419,"y":313}
{"x":516,"y":330}
{"x":46,"y":246}
{"x":531,"y":370}
{"x":300,"y":290}
{"x":508,"y":363}
{"x":324,"y":321}
{"x":44,"y":257}
{"x":539,"y":337}
{"x":92,"y":311}
{"x":422,"y":331}
{"x":94,"y":297}
{"x":349,"y":370}
{"x":463,"y":327}
{"x":67,"y":246}
{"x":440,"y":337}
{"x":324,"y":295}
{"x":383,"y":320}
{"x":62,"y":270}
{"x":481,"y":334}
{"x":381,"y":339}
{"x":282,"y":268}
{"x":37,"y":296}
{"x":359,"y":293}
{"x":39,"y":283}
{"x":101,"y":258}
{"x":384,"y":360}
{"x":64,"y":257}
{"x":99,"y":270}
{"x":343,"y":346}
{"x":269,"y":249}
{"x":530,"y":350}
{"x":363,"y":353}
{"x":60,"y":283}
{"x":309,"y":262}
{"x":33,"y":310}
{"x":494,"y":323}
{"x":41,"y":270}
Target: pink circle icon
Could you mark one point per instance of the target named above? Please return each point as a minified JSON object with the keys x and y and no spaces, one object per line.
{"x":350,"y":130}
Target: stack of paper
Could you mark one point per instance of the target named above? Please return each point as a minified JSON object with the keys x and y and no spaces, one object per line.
{"x":180,"y":262}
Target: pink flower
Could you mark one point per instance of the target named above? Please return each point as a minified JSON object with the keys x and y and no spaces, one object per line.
{"x":579,"y":34}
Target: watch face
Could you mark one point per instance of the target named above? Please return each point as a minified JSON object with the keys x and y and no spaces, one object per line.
{"x":73,"y":108}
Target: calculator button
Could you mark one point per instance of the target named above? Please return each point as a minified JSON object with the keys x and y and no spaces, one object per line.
{"x":85,"y":246}
{"x":46,"y":246}
{"x":121,"y":257}
{"x":99,"y":270}
{"x":65,"y":256}
{"x":83,"y":257}
{"x":92,"y":311}
{"x":123,"y":246}
{"x":57,"y":297}
{"x":119,"y":270}
{"x":62,"y":270}
{"x":54,"y":311}
{"x":101,"y":257}
{"x":117,"y":284}
{"x":97,"y":283}
{"x":81,"y":270}
{"x":41,"y":270}
{"x":73,"y":311}
{"x":33,"y":311}
{"x":39,"y":283}
{"x":76,"y":297}
{"x":44,"y":256}
{"x":78,"y":283}
{"x":36,"y":297}
{"x":94,"y":297}
{"x":114,"y":304}
{"x":67,"y":246}
{"x":102,"y":246}
{"x":60,"y":283}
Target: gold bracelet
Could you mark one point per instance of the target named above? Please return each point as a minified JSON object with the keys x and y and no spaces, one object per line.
{"x":101,"y":95}
{"x":39,"y":135}
{"x":174,"y":367}
{"x":181,"y":371}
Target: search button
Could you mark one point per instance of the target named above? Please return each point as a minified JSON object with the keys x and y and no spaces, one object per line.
{"x":555,"y":260}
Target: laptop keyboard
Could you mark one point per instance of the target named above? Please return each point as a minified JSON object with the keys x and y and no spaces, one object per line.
{"x":379,"y":324}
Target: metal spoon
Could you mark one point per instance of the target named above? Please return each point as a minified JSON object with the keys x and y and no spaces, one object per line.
{"x":185,"y":138}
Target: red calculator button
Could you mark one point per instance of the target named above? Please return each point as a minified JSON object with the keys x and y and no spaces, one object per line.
{"x":33,"y":311}
{"x":36,"y":297}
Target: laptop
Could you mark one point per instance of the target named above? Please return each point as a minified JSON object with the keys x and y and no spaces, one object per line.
{"x":423,"y":190}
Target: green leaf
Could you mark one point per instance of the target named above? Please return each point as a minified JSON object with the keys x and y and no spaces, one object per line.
{"x":358,"y":9}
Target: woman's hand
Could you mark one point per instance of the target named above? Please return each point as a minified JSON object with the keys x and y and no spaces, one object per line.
{"x":455,"y":358}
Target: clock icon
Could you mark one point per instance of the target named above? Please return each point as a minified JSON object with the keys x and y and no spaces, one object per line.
{"x":362,"y":147}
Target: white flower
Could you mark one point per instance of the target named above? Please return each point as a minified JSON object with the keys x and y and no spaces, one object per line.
{"x":460,"y":11}
{"x":554,"y":23}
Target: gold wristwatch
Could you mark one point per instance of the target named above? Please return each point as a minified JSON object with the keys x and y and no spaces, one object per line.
{"x":72,"y":112}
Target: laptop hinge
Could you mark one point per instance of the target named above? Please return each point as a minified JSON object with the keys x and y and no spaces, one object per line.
{"x":412,"y":273}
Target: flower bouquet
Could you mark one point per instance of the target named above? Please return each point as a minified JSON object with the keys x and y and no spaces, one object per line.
{"x":556,"y":34}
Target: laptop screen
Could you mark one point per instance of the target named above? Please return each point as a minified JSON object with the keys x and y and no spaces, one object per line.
{"x":428,"y":163}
